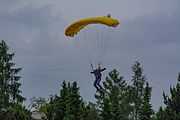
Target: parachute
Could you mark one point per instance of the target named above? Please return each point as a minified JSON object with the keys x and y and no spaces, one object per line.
{"x":80,"y":24}
{"x":92,"y":35}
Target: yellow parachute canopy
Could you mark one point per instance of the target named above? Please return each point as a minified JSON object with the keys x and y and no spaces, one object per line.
{"x":74,"y":28}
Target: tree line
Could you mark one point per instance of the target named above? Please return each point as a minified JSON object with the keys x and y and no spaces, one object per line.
{"x":118,"y":100}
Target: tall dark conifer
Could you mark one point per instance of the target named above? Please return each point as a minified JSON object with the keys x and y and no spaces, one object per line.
{"x":112,"y":100}
{"x":9,"y":80}
{"x":172,"y":108}
{"x":138,"y":80}
{"x":146,"y":111}
{"x":10,"y":95}
{"x":68,"y":105}
{"x":141,"y":94}
{"x":91,"y":112}
{"x":75,"y":103}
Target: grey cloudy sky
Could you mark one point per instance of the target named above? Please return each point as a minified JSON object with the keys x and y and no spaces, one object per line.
{"x":149,"y":32}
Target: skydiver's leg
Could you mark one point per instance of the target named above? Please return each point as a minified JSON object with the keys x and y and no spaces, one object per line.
{"x":95,"y":84}
{"x":98,"y":83}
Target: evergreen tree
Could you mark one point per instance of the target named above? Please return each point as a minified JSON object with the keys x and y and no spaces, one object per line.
{"x":146,"y":111}
{"x":10,"y":99}
{"x":91,"y":112}
{"x":141,"y":95}
{"x":16,"y":111}
{"x":138,"y":80}
{"x":160,"y":115}
{"x":58,"y":104}
{"x":53,"y":109}
{"x":68,"y":105}
{"x":9,"y":80}
{"x":113,"y":99}
{"x":74,"y":103}
{"x":172,"y":109}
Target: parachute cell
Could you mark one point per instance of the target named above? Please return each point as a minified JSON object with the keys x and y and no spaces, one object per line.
{"x":74,"y":28}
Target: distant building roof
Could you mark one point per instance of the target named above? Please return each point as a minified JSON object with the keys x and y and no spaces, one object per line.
{"x":38,"y":115}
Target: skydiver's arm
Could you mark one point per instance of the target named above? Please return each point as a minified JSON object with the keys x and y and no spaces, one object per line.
{"x":103,"y":69}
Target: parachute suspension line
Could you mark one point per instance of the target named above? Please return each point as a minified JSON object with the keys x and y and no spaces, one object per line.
{"x":99,"y":43}
{"x":87,"y":49}
{"x":93,"y":43}
{"x":82,"y":42}
{"x":103,"y":40}
{"x":102,"y":44}
{"x":96,"y":43}
{"x":98,"y":39}
{"x":106,"y":39}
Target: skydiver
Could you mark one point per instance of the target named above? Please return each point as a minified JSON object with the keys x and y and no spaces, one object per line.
{"x":98,"y":75}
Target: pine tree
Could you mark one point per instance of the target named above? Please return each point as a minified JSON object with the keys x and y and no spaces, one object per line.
{"x":91,"y":112}
{"x":75,"y":103}
{"x":172,"y":109}
{"x":16,"y":111}
{"x":138,"y":80}
{"x":10,"y":99}
{"x":58,"y":104}
{"x":68,"y":105}
{"x":9,"y":80}
{"x":141,"y":95}
{"x":160,"y":115}
{"x":146,"y":111}
{"x":53,"y":109}
{"x":113,"y":99}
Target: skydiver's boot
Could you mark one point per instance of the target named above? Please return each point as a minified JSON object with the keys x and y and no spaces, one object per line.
{"x":97,"y":90}
{"x":100,"y":86}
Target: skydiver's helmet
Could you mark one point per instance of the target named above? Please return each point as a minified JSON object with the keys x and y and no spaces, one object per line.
{"x":99,"y":68}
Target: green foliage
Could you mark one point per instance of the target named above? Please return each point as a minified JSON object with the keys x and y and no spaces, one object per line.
{"x":91,"y":112}
{"x":68,"y":105}
{"x":9,"y":85}
{"x":141,"y":95}
{"x":15,"y":112}
{"x":160,"y":114}
{"x":112,"y":100}
{"x":146,"y":111}
{"x":10,"y":99}
{"x":172,"y":109}
{"x":38,"y":104}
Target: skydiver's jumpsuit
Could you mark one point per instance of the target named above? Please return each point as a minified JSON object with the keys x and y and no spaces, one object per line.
{"x":98,"y":75}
